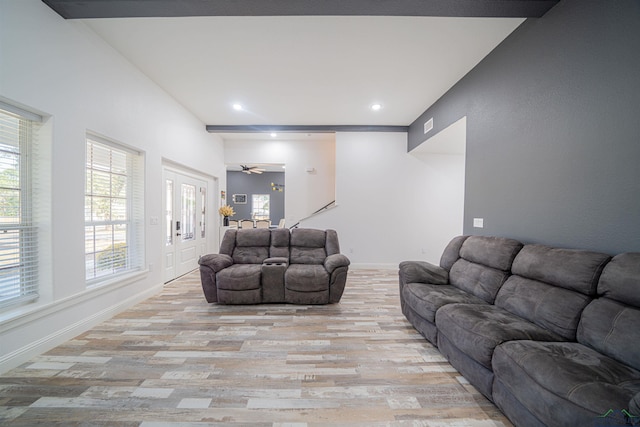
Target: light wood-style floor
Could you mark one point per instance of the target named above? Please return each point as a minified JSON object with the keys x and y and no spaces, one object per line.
{"x":175,"y":360}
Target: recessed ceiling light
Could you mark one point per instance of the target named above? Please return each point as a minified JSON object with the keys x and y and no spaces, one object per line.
{"x":376,"y":107}
{"x":273,"y":134}
{"x":237,"y":107}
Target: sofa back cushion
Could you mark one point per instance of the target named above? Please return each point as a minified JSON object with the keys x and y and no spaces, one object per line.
{"x":307,"y":246}
{"x":610,"y":323}
{"x":251,"y":246}
{"x":483,"y":265}
{"x":550,"y":286}
{"x":620,"y":279}
{"x":572,"y":269}
{"x":280,"y":243}
{"x":451,"y":253}
{"x":228,"y":243}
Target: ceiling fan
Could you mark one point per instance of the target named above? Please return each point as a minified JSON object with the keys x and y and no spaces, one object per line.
{"x":252,"y":169}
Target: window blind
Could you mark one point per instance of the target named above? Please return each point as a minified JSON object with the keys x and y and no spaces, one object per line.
{"x":18,"y":231}
{"x":114,"y":210}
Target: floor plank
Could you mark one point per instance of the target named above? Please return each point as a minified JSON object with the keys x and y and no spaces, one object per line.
{"x":174,"y":360}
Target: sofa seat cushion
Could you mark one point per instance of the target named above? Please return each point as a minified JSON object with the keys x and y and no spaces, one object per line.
{"x":239,"y":277}
{"x":557,"y":381}
{"x":306,"y":278}
{"x":476,"y":330}
{"x":426,"y":299}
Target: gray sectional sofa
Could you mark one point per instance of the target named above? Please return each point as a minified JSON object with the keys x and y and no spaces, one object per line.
{"x":550,"y":335}
{"x":253,"y":266}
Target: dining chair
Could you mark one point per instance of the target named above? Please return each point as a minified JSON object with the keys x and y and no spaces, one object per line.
{"x":246,"y":223}
{"x":263,"y":223}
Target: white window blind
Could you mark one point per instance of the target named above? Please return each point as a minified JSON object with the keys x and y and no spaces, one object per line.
{"x":18,"y":232}
{"x":114,"y":210}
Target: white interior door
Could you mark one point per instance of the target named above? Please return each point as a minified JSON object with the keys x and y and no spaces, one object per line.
{"x":184,"y":222}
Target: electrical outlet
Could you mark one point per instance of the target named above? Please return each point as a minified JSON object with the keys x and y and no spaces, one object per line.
{"x":478,"y":222}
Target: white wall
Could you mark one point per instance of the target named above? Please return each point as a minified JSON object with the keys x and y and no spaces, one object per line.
{"x":62,"y":69}
{"x":393,"y":206}
{"x":305,"y":192}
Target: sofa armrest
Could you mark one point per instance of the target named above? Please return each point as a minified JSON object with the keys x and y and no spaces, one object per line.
{"x":334,"y":261}
{"x":423,"y":272}
{"x":216,"y":262}
{"x":272,"y":280}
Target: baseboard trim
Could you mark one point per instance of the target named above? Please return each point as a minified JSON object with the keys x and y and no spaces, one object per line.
{"x":44,"y":344}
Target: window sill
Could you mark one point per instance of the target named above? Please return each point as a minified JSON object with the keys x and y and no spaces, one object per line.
{"x":18,"y":316}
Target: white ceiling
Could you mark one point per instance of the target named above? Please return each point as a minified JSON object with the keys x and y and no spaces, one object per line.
{"x":305,"y":70}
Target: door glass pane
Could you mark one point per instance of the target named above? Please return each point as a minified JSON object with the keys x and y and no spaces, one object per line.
{"x":168,"y":212}
{"x":203,"y":210}
{"x":188,"y":225}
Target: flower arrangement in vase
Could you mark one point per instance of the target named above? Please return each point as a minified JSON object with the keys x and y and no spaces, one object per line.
{"x":226,"y":211}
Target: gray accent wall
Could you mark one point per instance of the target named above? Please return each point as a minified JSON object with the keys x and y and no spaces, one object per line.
{"x":553,"y":129}
{"x":242,"y":183}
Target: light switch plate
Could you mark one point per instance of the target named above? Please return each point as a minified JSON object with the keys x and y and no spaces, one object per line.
{"x":478,"y":222}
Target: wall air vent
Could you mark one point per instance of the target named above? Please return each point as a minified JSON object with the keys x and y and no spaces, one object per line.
{"x":428,"y":125}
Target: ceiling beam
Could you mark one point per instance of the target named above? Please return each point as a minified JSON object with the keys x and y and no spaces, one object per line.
{"x":77,"y":9}
{"x":302,"y":128}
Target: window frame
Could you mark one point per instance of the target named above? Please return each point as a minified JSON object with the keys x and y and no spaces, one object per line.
{"x":267,"y":202}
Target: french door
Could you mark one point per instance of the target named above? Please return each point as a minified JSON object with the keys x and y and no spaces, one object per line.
{"x":184,"y":222}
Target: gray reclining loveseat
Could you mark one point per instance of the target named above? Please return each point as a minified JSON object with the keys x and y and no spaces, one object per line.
{"x":301,"y":266}
{"x":551,"y":335}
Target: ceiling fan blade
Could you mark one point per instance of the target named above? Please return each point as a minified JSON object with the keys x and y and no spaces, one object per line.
{"x":252,"y":169}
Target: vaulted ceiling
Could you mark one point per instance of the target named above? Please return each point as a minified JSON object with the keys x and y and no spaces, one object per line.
{"x":304,"y":63}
